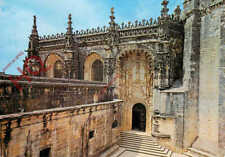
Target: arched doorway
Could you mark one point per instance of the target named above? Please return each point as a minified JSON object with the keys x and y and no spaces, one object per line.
{"x":97,"y":71}
{"x":139,"y":117}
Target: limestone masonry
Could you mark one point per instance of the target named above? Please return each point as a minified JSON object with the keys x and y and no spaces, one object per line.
{"x":80,"y":90}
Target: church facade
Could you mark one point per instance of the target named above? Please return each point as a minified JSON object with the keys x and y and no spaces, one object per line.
{"x":163,"y":76}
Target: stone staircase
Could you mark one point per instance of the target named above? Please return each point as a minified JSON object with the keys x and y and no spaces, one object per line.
{"x":141,"y":143}
{"x":192,"y":152}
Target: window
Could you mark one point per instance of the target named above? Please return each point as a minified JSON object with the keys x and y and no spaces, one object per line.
{"x":58,"y":69}
{"x":97,"y":71}
{"x":91,"y":134}
{"x":114,"y":124}
{"x":45,"y":152}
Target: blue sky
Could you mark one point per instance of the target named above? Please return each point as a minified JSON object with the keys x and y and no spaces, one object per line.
{"x":16,"y":17}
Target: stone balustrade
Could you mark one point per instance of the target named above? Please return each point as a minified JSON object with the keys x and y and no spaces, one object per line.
{"x":44,"y":93}
{"x":83,"y":130}
{"x":100,"y":33}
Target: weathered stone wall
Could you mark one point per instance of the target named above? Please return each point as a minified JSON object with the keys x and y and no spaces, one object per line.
{"x":66,"y":131}
{"x":168,"y":121}
{"x":221,"y":71}
{"x":45,"y":93}
{"x":211,"y":94}
{"x":191,"y":70}
{"x":204,"y":75}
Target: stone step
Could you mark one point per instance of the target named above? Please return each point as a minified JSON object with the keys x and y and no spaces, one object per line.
{"x":150,"y":152}
{"x":118,"y":152}
{"x":144,"y":147}
{"x":140,"y":143}
{"x":136,"y":137}
{"x":199,"y":153}
{"x":165,"y":151}
{"x":189,"y":154}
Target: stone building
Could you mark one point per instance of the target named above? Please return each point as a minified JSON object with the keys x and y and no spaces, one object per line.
{"x":81,"y":91}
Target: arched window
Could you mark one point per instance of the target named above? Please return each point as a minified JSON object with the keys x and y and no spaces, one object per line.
{"x":58,"y":69}
{"x":114,"y":124}
{"x":97,"y":71}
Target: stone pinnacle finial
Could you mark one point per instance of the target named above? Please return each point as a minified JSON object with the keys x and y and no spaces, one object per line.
{"x":112,"y":11}
{"x":112,"y":17}
{"x":165,"y":10}
{"x":69,"y":28}
{"x":34,"y":30}
{"x":177,"y":11}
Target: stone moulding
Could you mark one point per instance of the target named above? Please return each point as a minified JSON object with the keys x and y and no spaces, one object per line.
{"x":5,"y":78}
{"x":75,"y":110}
{"x":53,"y":84}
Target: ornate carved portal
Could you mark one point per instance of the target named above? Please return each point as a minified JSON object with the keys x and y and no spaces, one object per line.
{"x":135,"y":77}
{"x":135,"y":86}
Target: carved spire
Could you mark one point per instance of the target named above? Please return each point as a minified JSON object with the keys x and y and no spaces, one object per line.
{"x":112,"y":18}
{"x":165,"y":10}
{"x":69,"y":28}
{"x":34,"y":40}
{"x":177,"y":12}
{"x":34,"y":30}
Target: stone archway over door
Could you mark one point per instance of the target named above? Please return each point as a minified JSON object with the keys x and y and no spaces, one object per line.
{"x":139,"y":117}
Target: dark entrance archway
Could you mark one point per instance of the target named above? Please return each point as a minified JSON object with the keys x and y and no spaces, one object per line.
{"x":139,"y":117}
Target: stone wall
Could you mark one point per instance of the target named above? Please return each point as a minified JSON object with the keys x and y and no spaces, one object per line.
{"x":204,"y":75}
{"x":44,"y":93}
{"x":168,"y":119}
{"x":221,"y":71}
{"x":191,"y":63}
{"x":212,"y":82}
{"x":79,"y":131}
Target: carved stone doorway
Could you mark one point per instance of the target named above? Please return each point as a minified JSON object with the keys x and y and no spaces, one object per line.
{"x":139,"y":117}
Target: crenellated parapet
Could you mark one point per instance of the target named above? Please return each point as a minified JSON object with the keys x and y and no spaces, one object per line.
{"x":53,"y":36}
{"x":126,"y":29}
{"x":133,"y":29}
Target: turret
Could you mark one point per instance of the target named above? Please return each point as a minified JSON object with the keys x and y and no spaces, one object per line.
{"x":69,"y":34}
{"x":165,"y":10}
{"x":33,"y":40}
{"x":69,"y":28}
